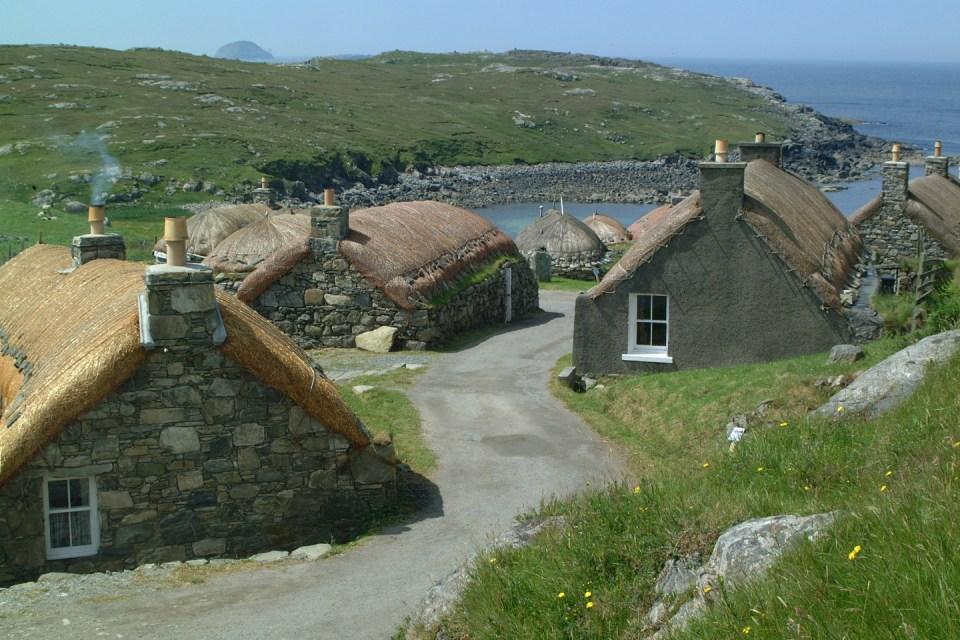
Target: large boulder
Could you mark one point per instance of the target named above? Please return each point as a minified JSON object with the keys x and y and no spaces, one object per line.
{"x":884,"y":385}
{"x":380,"y":340}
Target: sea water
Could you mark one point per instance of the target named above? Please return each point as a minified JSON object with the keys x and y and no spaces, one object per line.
{"x":911,"y":103}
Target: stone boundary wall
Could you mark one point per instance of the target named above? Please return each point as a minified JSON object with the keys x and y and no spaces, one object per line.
{"x":196,"y":458}
{"x":327,"y":302}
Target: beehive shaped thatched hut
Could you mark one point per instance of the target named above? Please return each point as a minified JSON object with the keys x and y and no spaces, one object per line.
{"x":140,"y":418}
{"x":210,"y":227}
{"x":891,"y":223}
{"x":723,"y":277}
{"x":427,"y":269}
{"x":574,"y":248}
{"x":610,"y":230}
{"x":245,"y":248}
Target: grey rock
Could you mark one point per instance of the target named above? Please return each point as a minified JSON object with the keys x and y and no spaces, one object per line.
{"x":845,"y":353}
{"x":312,"y":552}
{"x":180,"y":439}
{"x":379,"y":340}
{"x":884,"y":385}
{"x":209,"y":547}
{"x":270,"y":556}
{"x":360,"y":389}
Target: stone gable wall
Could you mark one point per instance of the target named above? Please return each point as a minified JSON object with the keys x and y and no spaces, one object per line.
{"x":324,"y":301}
{"x":195,"y":457}
{"x":894,"y":236}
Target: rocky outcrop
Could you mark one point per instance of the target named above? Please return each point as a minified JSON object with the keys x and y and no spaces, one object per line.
{"x":883,"y":386}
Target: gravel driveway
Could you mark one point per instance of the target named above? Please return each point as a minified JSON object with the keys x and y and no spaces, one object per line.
{"x":504,"y":444}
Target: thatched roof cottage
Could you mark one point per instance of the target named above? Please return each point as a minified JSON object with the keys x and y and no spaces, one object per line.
{"x":423,"y":272}
{"x":610,"y":230}
{"x":248,"y":246}
{"x":211,"y":226}
{"x":748,"y":269}
{"x":148,"y":418}
{"x":891,"y":223}
{"x":574,"y":248}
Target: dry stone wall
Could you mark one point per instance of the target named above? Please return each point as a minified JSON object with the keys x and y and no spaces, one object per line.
{"x":195,"y":458}
{"x":324,"y":301}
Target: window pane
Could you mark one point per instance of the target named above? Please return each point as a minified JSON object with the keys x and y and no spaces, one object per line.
{"x":643,"y":307}
{"x":659,"y":307}
{"x":59,"y":530}
{"x":80,"y":493}
{"x":658,"y":337}
{"x":80,"y":528}
{"x":643,"y":333}
{"x":57,"y":494}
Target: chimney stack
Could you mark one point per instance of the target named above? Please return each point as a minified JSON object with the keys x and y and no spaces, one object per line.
{"x":721,"y":185}
{"x":97,"y":245}
{"x":772,"y":152}
{"x":329,"y":224}
{"x":937,"y":164}
{"x":264,"y":194}
{"x":179,"y":310}
{"x":896,"y":179}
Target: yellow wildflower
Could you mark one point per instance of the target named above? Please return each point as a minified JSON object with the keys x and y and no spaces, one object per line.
{"x":588,"y":594}
{"x":746,"y":630}
{"x":561,"y":595}
{"x":853,"y":554}
{"x":783,"y":424}
{"x":706,"y":464}
{"x":707,"y":589}
{"x":493,"y":561}
{"x":636,"y":489}
{"x":806,"y":487}
{"x":759,"y":468}
{"x":888,"y":473}
{"x":839,"y":409}
{"x":590,"y":605}
{"x":883,"y":488}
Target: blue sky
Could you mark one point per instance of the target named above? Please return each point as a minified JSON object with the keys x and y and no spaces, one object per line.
{"x":809,"y":30}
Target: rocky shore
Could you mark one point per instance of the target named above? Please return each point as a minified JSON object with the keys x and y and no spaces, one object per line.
{"x":820,"y":149}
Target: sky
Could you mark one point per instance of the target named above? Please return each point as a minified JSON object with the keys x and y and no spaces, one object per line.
{"x":881,"y":30}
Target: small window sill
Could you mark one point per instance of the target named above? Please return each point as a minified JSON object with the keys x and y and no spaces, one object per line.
{"x":647,"y":357}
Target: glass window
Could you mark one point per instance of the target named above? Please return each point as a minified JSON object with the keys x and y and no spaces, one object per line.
{"x":649,"y":325}
{"x":72,"y":520}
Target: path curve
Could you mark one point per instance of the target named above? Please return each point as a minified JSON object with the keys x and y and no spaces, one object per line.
{"x":504,"y":443}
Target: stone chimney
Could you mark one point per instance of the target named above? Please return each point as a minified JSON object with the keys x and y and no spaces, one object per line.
{"x":179,"y":310}
{"x":772,"y":152}
{"x":97,"y":245}
{"x":896,"y":179}
{"x":937,"y":164}
{"x":329,"y":225}
{"x":721,"y":184}
{"x":265,"y":195}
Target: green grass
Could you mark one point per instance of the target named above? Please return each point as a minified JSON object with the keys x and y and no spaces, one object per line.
{"x":228,"y":122}
{"x":895,"y":480}
{"x":558,"y":283}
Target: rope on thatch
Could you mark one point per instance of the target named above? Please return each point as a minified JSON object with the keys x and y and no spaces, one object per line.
{"x":273,"y":268}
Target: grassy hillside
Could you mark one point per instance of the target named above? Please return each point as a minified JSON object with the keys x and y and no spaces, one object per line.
{"x":67,"y":112}
{"x":887,"y":569}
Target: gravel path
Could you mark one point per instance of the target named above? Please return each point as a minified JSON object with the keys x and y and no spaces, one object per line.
{"x":504,"y":444}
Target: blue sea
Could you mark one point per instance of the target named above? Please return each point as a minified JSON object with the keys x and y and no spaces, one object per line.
{"x":911,"y":103}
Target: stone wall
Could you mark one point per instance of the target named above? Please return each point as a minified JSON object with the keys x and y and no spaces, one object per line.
{"x":324,"y":301}
{"x":890,"y":232}
{"x":195,"y":457}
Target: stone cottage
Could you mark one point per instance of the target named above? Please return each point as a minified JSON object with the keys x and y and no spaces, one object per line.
{"x":421,"y":272}
{"x":575,"y":249}
{"x":148,"y":418}
{"x":891,"y":223}
{"x":748,"y":269}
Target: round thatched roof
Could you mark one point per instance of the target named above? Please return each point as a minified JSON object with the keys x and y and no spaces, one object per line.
{"x":244,"y":249}
{"x":563,"y":236}
{"x":209,"y":228}
{"x":609,"y":230}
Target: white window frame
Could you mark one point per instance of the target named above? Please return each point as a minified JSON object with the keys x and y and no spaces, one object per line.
{"x":646,"y":353}
{"x":73,"y":551}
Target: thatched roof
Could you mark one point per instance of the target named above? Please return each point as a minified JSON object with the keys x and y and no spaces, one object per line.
{"x":70,"y":339}
{"x":609,"y":230}
{"x":562,"y":235}
{"x":935,"y":203}
{"x":413,"y":250}
{"x":866,"y":210}
{"x":651,"y":219}
{"x":209,"y":228}
{"x":244,"y":249}
{"x":796,"y":220}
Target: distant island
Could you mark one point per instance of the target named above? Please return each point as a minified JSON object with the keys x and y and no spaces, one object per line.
{"x":243,"y":50}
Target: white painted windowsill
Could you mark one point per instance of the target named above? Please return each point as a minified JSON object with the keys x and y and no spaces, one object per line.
{"x":647,"y":357}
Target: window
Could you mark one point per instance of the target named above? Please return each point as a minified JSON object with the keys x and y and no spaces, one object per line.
{"x":649,"y":330}
{"x":70,"y":510}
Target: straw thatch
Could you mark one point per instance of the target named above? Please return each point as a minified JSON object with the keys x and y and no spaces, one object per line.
{"x":209,"y":228}
{"x":866,"y":211}
{"x":668,"y":222}
{"x":245,"y":248}
{"x":803,"y":227}
{"x":934,"y":203}
{"x":273,"y":268}
{"x":795,"y":219}
{"x":74,"y":338}
{"x":609,"y":230}
{"x":563,"y":236}
{"x":650,"y":220}
{"x":413,"y":250}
